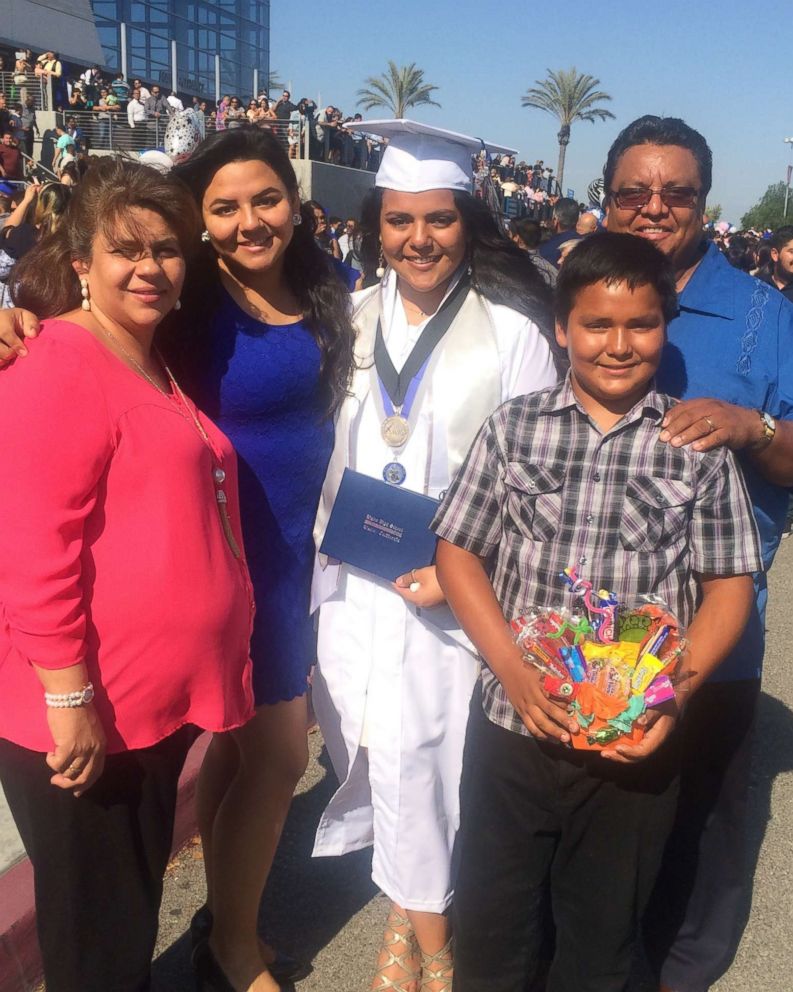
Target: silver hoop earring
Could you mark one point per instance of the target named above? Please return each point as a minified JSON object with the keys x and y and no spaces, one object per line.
{"x":205,"y":235}
{"x":297,"y":219}
{"x":177,"y":305}
{"x":85,"y":293}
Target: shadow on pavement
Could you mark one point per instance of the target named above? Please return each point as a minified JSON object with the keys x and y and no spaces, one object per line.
{"x":307,"y":901}
{"x":773,"y":755}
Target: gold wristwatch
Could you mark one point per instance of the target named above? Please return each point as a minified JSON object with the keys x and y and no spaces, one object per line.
{"x":769,"y":429}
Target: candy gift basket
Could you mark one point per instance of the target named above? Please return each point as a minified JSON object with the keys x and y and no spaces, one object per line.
{"x":608,"y":662}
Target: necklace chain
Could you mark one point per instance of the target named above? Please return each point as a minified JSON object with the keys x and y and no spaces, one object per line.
{"x":187,"y":411}
{"x":175,"y":387}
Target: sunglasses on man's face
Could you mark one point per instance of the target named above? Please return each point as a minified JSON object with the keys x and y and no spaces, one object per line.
{"x":635,"y":198}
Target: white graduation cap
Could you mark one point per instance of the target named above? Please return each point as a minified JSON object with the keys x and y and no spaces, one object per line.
{"x":420,"y":157}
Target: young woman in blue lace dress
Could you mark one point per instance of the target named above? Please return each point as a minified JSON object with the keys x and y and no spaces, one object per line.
{"x":269,"y":357}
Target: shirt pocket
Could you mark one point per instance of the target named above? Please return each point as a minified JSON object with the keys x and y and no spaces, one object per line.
{"x":655,"y":514}
{"x":534,"y":499}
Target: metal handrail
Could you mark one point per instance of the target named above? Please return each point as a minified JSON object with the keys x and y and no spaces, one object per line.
{"x":16,"y":92}
{"x":35,"y":166}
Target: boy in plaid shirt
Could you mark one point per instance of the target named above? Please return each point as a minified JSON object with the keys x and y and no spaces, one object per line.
{"x":576,"y":476}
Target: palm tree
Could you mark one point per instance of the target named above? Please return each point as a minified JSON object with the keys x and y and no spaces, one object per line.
{"x":398,"y":89}
{"x":273,"y":81}
{"x":570,"y":96}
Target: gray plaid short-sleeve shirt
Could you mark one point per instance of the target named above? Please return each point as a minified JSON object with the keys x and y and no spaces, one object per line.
{"x":543,"y":488}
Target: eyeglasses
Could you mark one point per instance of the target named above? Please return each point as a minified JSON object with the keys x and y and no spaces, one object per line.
{"x":671,"y":196}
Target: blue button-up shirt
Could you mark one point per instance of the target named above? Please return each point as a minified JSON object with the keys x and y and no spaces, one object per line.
{"x":733,"y":340}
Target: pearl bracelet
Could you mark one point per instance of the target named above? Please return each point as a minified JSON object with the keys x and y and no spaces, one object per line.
{"x":70,"y":700}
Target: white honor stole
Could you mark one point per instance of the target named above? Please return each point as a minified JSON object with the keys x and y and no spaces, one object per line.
{"x":466,"y":385}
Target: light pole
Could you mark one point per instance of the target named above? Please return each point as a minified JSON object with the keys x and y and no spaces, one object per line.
{"x":788,"y":141}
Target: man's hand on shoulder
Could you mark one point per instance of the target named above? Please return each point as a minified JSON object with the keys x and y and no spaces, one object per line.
{"x":710,"y":423}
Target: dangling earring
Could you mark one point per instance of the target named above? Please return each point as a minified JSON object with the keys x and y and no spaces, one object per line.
{"x":297,"y":219}
{"x":205,"y":236}
{"x":380,"y":270}
{"x":84,"y":292}
{"x":177,"y":305}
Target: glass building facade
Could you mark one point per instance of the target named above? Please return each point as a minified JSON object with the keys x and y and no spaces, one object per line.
{"x":236,"y":31}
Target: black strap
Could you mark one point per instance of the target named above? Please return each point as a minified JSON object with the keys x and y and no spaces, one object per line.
{"x":396,"y":383}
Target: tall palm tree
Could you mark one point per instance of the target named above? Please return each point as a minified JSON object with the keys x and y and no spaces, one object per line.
{"x":569,"y":96}
{"x":274,"y":81}
{"x":399,"y":89}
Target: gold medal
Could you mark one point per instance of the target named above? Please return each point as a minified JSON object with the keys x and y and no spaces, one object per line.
{"x":395,"y":431}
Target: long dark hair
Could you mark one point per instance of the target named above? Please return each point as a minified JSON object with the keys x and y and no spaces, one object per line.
{"x":500,"y":271}
{"x":309,"y":273}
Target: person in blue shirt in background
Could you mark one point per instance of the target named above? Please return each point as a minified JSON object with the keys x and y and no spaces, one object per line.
{"x":729,"y":358}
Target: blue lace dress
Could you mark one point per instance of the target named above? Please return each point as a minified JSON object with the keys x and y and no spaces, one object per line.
{"x":261,"y":386}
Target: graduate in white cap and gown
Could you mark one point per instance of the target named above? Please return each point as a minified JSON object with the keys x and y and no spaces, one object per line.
{"x":395,"y":674}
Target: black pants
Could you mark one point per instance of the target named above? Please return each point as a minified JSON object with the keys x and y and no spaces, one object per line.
{"x":537,"y":818}
{"x":98,"y":861}
{"x":697,"y":912}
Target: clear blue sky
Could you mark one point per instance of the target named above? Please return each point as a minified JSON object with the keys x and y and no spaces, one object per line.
{"x":725,"y":66}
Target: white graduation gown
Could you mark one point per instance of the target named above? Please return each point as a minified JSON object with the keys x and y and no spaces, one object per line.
{"x":386,"y":666}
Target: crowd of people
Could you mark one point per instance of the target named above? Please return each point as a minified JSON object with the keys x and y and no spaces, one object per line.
{"x":103,"y":109}
{"x":199,"y":401}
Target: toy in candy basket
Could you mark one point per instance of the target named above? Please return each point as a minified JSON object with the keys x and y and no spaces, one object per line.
{"x":609,"y":662}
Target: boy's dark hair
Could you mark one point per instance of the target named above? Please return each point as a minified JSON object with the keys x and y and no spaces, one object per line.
{"x":613,"y":258}
{"x":781,"y":236}
{"x":652,"y":130}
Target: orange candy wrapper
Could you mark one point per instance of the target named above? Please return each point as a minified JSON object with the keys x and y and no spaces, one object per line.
{"x":609,"y":664}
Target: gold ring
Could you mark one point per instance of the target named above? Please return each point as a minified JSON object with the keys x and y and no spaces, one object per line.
{"x":72,"y":771}
{"x":710,"y":423}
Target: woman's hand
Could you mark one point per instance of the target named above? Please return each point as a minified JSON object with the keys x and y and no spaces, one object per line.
{"x":79,"y":754}
{"x":428,"y":594}
{"x":16,"y":324}
{"x":32,"y":190}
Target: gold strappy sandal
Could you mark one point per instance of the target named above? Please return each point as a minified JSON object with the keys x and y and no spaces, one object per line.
{"x":437,"y":970}
{"x":399,"y":946}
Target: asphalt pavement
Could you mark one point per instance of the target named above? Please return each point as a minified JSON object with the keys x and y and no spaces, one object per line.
{"x":328,"y":912}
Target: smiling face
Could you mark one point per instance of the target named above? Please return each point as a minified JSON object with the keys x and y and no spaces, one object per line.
{"x":136,"y":275}
{"x":248,"y":213}
{"x":614,"y":337}
{"x":676,"y":231}
{"x":423,"y":238}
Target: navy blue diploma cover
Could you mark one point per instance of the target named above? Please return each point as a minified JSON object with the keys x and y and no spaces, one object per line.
{"x":380,"y":528}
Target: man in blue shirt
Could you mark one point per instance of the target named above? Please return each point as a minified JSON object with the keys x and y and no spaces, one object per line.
{"x":565,"y":218}
{"x":729,"y":357}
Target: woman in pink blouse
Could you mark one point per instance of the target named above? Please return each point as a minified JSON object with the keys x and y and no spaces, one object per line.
{"x":125,"y":602}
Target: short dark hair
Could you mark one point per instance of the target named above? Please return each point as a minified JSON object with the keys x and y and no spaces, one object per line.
{"x":528,"y":230}
{"x":566,"y":212}
{"x":652,"y":130}
{"x":781,"y":236}
{"x":612,"y":258}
